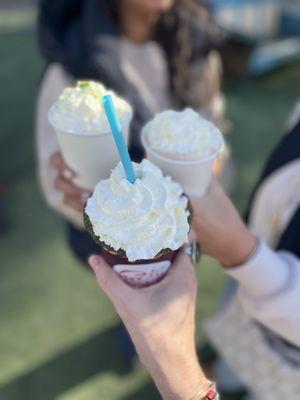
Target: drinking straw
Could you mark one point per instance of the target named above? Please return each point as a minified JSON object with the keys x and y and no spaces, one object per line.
{"x":115,"y":127}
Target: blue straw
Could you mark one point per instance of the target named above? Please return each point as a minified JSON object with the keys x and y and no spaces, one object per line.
{"x":115,"y":127}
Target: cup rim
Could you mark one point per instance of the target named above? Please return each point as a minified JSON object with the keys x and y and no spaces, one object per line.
{"x":72,"y":132}
{"x":184,"y":162}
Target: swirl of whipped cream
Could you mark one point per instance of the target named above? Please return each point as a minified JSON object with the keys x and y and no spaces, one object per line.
{"x":79,"y":109}
{"x":141,"y":218}
{"x":182,"y":135}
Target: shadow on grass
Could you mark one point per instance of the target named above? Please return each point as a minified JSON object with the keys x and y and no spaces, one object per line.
{"x":18,"y":53}
{"x":146,"y":392}
{"x":98,"y":354}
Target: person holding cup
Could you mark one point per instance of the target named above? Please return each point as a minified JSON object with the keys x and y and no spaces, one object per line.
{"x":257,"y":332}
{"x":155,"y":54}
{"x":185,"y":146}
{"x":161,"y":323}
{"x":259,"y":336}
{"x":83,"y":132}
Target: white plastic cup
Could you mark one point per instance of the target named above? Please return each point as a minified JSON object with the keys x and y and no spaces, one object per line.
{"x":193,"y":175}
{"x":91,"y":156}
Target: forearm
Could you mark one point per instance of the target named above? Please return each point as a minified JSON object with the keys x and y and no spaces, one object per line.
{"x":173,"y":366}
{"x":161,"y":322}
{"x":54,"y":81}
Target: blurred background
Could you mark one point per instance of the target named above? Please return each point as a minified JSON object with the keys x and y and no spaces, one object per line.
{"x":56,"y":328}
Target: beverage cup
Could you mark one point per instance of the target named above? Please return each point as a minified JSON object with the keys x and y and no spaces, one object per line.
{"x":139,"y":226}
{"x":194,"y":175}
{"x":90,"y":155}
{"x":140,"y":273}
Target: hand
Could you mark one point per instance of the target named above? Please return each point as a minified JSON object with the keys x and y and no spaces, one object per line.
{"x":74,"y":196}
{"x":220,"y":230}
{"x":161,"y":322}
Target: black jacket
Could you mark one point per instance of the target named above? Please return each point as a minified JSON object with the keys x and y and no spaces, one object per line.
{"x":288,"y":150}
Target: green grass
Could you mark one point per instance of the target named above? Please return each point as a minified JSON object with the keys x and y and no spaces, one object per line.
{"x":20,"y":71}
{"x":12,"y":20}
{"x":57,"y":328}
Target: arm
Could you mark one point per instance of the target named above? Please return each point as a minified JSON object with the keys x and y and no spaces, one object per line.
{"x":269,"y":281}
{"x":161,"y":321}
{"x":269,"y":290}
{"x":54,"y":176}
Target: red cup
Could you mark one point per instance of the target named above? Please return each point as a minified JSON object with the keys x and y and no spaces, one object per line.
{"x":140,"y":273}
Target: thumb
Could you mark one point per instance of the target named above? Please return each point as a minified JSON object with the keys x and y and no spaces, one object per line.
{"x":107,"y":279}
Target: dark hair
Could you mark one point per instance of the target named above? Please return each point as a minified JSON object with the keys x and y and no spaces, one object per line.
{"x":185,"y":32}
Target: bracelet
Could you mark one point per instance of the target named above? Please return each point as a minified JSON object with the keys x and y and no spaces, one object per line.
{"x":209,"y":393}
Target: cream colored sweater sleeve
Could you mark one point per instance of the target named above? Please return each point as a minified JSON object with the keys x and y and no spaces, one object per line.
{"x":269,"y":290}
{"x":54,"y":81}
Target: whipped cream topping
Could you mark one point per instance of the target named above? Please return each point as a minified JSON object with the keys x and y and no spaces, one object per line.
{"x":182,"y":135}
{"x":79,"y":109}
{"x":141,"y":218}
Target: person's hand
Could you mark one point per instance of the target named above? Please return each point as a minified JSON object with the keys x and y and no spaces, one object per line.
{"x":73,"y":196}
{"x":220,"y":230}
{"x":161,"y":322}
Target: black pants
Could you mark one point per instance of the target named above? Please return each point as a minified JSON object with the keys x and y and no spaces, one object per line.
{"x":81,"y":243}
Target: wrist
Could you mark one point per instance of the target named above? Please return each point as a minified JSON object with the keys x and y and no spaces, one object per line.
{"x":180,"y":378}
{"x":242,"y":246}
{"x":175,"y":369}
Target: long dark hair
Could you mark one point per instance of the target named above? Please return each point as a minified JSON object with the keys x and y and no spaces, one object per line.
{"x":185,"y":32}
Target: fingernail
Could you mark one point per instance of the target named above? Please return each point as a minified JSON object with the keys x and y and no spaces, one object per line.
{"x":68,"y":174}
{"x":94,"y":262}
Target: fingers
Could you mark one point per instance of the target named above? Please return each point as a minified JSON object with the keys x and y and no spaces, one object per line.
{"x":215,"y":187}
{"x":57,"y":162}
{"x":74,"y":196}
{"x":69,"y":189}
{"x":196,"y":202}
{"x":74,"y":203}
{"x":212,"y":191}
{"x":107,"y":279}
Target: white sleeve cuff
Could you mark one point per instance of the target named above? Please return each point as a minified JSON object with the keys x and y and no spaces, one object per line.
{"x":263,"y":274}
